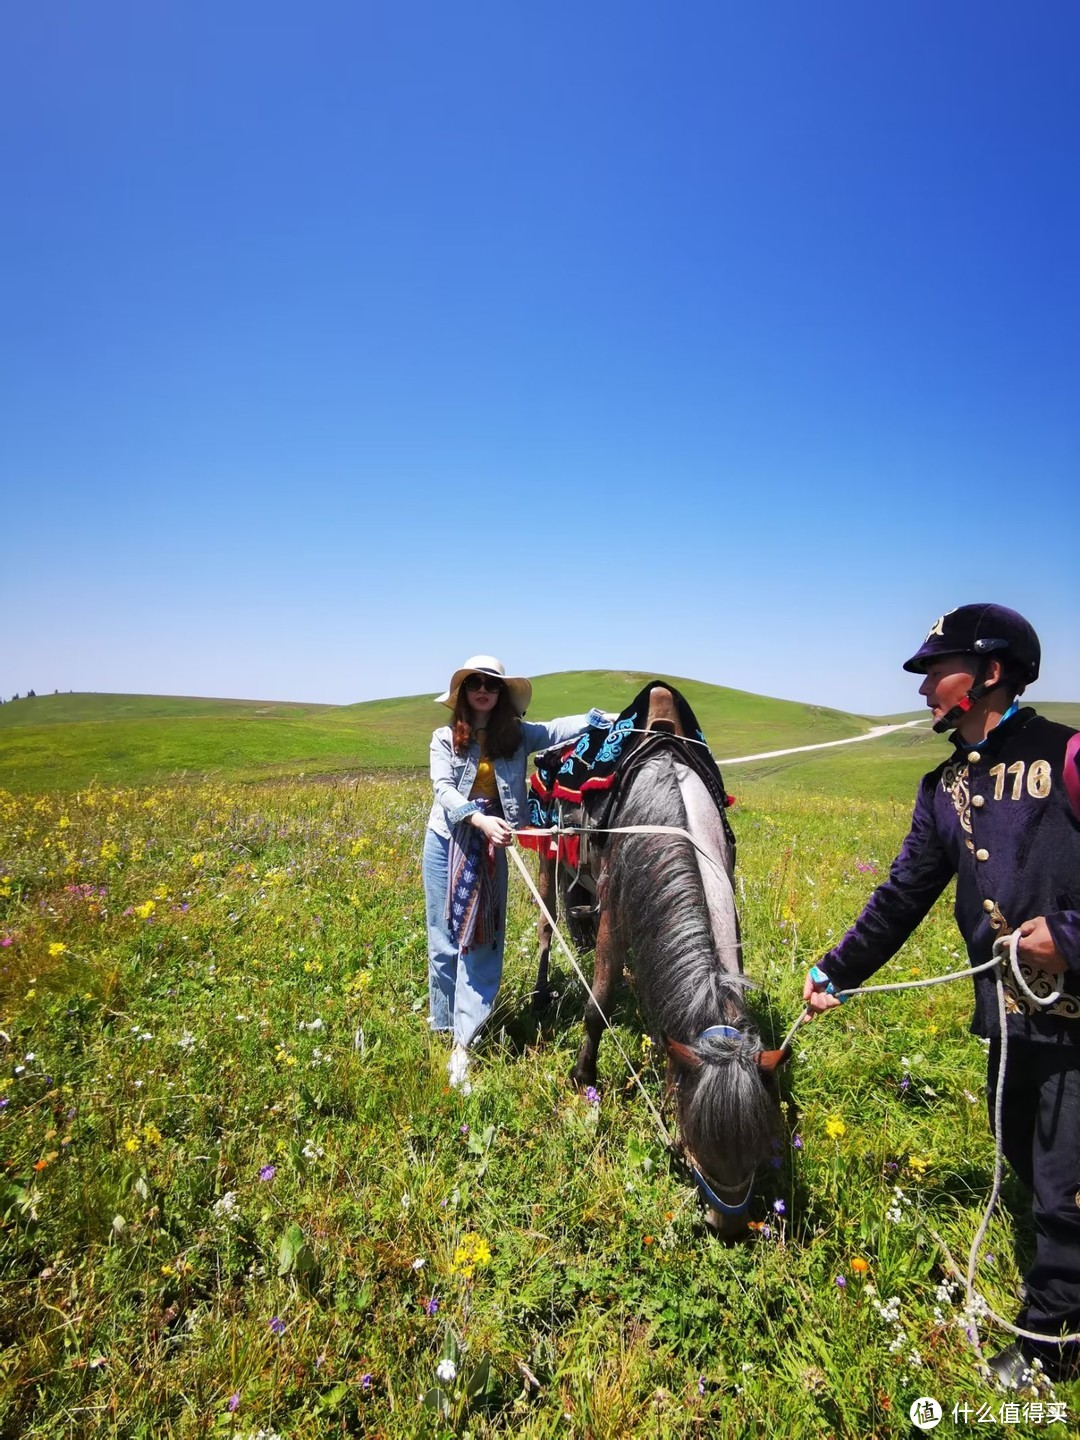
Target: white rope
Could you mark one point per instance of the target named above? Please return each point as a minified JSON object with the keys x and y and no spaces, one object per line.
{"x":568,"y":952}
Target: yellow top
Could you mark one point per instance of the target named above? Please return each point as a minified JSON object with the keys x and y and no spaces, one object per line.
{"x":484,"y":787}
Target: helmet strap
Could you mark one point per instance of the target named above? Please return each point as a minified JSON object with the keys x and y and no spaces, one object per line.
{"x":966,"y":702}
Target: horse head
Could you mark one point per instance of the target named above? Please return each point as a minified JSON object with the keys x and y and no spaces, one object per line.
{"x":726,"y":1110}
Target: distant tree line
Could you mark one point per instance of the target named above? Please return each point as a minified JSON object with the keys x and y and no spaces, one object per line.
{"x":30,"y":695}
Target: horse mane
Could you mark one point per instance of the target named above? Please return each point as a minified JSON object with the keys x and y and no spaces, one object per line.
{"x":661,"y":926}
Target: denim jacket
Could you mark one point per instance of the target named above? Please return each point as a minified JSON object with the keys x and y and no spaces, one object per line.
{"x":452,"y":775}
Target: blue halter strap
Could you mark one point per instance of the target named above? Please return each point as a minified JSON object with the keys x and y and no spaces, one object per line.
{"x":727,"y":1031}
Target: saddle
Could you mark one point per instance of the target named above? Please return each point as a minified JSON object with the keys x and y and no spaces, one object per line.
{"x":580,"y":785}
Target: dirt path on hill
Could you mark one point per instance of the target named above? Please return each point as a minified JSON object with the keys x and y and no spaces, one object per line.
{"x":871,"y":734}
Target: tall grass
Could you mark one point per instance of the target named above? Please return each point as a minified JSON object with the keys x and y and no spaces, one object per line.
{"x":238,"y":1197}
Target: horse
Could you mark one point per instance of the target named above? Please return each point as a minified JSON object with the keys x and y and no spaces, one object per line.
{"x":663,"y":903}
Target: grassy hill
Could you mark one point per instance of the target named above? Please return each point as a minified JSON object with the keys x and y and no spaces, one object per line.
{"x":69,"y":741}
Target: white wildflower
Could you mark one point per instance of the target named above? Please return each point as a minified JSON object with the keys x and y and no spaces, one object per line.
{"x":446,"y":1371}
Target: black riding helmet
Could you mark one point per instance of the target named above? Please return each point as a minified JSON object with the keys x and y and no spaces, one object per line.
{"x":986,"y":632}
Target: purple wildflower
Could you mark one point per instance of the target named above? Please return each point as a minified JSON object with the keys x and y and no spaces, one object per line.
{"x":432,"y":1306}
{"x":905,"y":1082}
{"x":464,"y":1129}
{"x":766,"y":1232}
{"x":866,"y":867}
{"x":779,"y":1207}
{"x":365,"y":1380}
{"x":277,"y":1325}
{"x":841,"y":1282}
{"x":701,"y":1384}
{"x":267,"y":1172}
{"x":234,"y":1401}
{"x":592,"y":1095}
{"x":797,"y":1142}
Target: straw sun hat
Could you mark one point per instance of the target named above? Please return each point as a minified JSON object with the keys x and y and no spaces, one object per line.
{"x":520,"y":688}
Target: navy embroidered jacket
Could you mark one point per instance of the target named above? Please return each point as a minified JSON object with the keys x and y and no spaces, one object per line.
{"x":996,"y":816}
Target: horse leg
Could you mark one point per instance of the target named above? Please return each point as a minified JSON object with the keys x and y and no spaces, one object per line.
{"x":605,"y":970}
{"x":545,"y":883}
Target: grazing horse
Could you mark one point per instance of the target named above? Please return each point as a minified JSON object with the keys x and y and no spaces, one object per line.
{"x":667,"y":910}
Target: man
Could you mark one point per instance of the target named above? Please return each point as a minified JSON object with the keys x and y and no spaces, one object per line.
{"x":997,"y":816}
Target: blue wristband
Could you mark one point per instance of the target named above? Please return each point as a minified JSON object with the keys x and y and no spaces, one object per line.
{"x":819,"y":977}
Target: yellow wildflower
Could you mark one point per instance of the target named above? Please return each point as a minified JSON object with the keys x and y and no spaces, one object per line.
{"x":145,"y":910}
{"x":472,"y":1252}
{"x":151,"y":1134}
{"x":198,"y":859}
{"x":835,"y":1127}
{"x":63,"y":822}
{"x":57,"y":948}
{"x":918,"y":1164}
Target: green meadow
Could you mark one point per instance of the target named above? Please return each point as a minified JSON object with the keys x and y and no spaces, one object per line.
{"x":239,"y":1199}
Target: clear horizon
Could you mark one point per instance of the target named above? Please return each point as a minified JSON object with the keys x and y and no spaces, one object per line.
{"x":342,"y":346}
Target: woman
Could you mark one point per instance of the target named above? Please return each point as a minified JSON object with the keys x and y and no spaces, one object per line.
{"x":478,"y":769}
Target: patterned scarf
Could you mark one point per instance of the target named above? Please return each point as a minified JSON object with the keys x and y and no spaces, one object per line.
{"x":472,"y":897}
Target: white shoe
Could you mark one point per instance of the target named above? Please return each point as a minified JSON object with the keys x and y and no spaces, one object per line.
{"x":458,"y":1066}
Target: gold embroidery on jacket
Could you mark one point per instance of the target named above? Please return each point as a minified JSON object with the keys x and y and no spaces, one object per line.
{"x":954,"y":781}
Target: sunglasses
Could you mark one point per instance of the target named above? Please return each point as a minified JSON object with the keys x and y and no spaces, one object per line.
{"x":483,"y":682}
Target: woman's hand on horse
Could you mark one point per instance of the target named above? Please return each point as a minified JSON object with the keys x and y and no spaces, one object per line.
{"x":816,"y":992}
{"x":495,"y":828}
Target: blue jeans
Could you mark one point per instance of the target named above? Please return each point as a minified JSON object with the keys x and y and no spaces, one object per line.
{"x":461,"y":988}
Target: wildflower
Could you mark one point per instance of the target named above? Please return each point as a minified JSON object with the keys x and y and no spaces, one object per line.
{"x":186,"y":1041}
{"x":365,"y":1380}
{"x":841,"y":1282}
{"x":267,"y":1172}
{"x":234,"y":1402}
{"x":446,"y":1370}
{"x":418,"y":1263}
{"x":647,"y":1239}
{"x":859,"y":1266}
{"x":151,"y":1134}
{"x":866,"y":867}
{"x":918,"y":1164}
{"x":226,"y":1206}
{"x":779,"y":1207}
{"x":57,"y":948}
{"x":277,"y":1325}
{"x":431,"y":1307}
{"x":701,"y":1384}
{"x":592,"y":1095}
{"x":473,"y":1251}
{"x":797,"y":1142}
{"x":835,"y":1127}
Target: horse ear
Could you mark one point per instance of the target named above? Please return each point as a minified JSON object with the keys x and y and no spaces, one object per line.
{"x":770,"y":1060}
{"x":681,"y":1056}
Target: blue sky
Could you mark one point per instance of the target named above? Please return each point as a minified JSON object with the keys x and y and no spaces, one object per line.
{"x":343,"y":341}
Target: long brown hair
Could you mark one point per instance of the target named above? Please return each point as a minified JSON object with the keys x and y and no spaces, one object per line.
{"x":503,"y":727}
